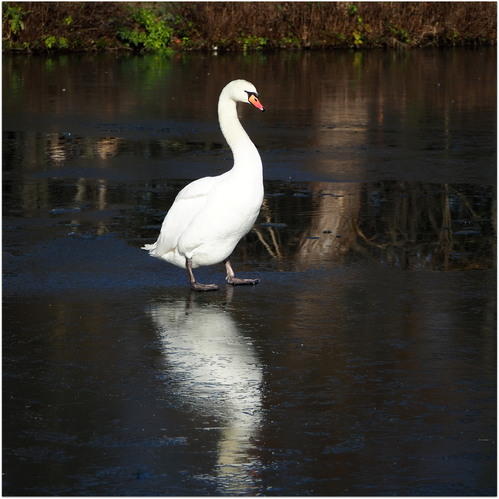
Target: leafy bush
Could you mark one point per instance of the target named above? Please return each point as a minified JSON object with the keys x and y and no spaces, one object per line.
{"x":52,"y":42}
{"x":169,"y":26}
{"x":13,"y":19}
{"x":150,"y":33}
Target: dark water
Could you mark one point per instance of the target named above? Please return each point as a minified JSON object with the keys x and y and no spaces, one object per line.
{"x":365,"y":361}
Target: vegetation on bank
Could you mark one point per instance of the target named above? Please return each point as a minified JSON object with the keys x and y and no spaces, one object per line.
{"x":242,"y":26}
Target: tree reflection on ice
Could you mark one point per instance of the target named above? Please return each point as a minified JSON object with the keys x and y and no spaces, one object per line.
{"x":219,"y":376}
{"x":410,"y":225}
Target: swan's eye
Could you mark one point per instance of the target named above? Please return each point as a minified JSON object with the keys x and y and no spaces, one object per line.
{"x":251,"y":93}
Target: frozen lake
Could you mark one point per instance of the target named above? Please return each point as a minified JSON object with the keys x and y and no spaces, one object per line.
{"x":364,"y":363}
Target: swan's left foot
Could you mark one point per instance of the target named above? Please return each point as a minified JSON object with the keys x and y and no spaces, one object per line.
{"x":235,"y":281}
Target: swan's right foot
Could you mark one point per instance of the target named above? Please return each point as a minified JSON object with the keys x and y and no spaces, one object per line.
{"x":197,"y":286}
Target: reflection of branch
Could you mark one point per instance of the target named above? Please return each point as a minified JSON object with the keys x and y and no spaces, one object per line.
{"x":420,"y":226}
{"x":274,"y":254}
{"x":464,"y":200}
{"x":367,"y":239}
{"x":277,"y":254}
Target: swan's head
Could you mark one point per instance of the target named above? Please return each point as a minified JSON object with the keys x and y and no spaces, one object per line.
{"x":243,"y":91}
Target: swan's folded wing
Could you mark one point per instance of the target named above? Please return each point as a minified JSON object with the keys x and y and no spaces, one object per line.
{"x":189,"y":201}
{"x":197,"y":189}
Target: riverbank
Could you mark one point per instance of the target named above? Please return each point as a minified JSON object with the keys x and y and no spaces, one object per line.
{"x":243,"y":26}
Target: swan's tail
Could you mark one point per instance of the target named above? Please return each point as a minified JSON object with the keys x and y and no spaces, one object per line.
{"x":150,"y":247}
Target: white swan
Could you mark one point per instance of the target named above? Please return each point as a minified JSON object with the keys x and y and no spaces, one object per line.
{"x":210,"y":215}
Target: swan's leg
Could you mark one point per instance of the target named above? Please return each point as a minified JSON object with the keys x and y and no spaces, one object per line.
{"x":235,"y":281}
{"x":197,"y":286}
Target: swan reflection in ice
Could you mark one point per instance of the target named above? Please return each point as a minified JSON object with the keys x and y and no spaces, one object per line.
{"x":220,"y":375}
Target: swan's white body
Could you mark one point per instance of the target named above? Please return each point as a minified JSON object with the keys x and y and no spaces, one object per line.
{"x":210,"y":215}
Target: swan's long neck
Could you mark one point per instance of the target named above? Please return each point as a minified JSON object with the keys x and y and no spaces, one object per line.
{"x":243,"y":149}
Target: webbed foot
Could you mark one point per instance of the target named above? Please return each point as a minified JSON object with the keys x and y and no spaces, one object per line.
{"x":197,"y":286}
{"x":236,"y":281}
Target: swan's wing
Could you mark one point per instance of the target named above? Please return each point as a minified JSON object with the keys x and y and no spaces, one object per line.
{"x":189,"y":201}
{"x":197,"y":189}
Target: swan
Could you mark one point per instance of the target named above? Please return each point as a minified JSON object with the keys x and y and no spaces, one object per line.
{"x":210,"y":215}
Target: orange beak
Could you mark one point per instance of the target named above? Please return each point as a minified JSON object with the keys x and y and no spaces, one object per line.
{"x":253,"y":99}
